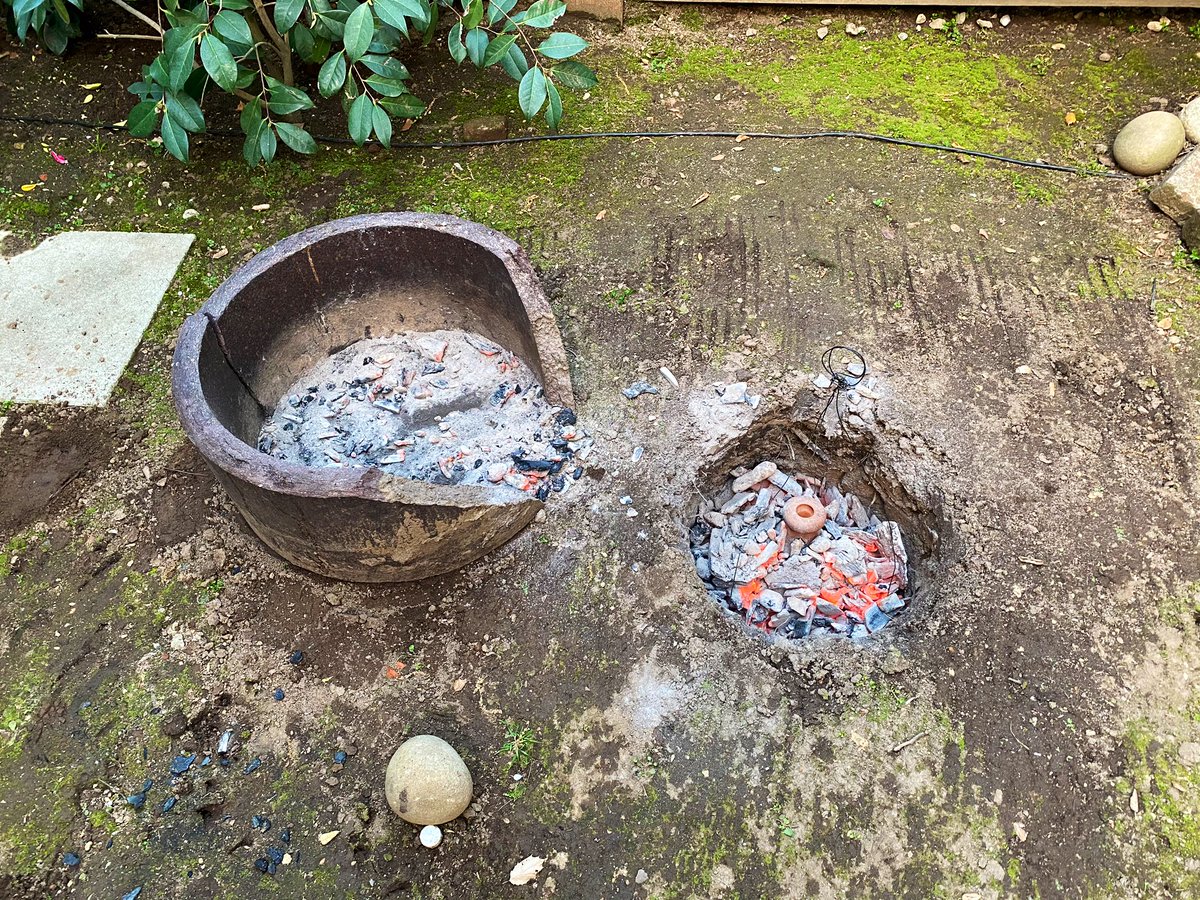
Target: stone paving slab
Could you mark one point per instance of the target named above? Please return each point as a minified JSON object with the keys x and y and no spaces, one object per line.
{"x":73,"y":309}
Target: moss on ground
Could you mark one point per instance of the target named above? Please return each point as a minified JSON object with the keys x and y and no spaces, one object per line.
{"x":1167,"y":830}
{"x":934,"y":88}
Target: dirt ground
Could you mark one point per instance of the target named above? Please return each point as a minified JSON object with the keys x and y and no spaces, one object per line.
{"x":1028,"y":728}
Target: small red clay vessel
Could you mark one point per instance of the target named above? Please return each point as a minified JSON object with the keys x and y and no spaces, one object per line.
{"x":805,"y":516}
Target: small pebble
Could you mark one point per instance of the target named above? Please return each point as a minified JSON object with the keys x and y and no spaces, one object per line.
{"x":278,"y":695}
{"x":431,"y":836}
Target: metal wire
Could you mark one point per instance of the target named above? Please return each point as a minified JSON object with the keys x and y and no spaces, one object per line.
{"x":843,"y":377}
{"x":635,"y":135}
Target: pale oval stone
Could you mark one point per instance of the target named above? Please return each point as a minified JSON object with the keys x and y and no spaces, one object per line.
{"x":1190,"y":116}
{"x":427,"y":783}
{"x":1149,"y":143}
{"x":431,"y":836}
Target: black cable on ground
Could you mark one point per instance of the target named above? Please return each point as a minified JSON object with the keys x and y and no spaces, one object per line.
{"x":593,"y":135}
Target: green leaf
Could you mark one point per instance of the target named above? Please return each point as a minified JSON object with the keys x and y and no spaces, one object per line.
{"x":498,"y":49}
{"x":474,"y":15}
{"x":388,"y":87}
{"x":515,"y":63}
{"x":387,"y":66}
{"x":360,"y":119}
{"x":185,"y":112}
{"x":175,"y":139}
{"x":561,"y":45}
{"x":454,"y":41}
{"x":382,"y":126}
{"x":406,"y":107}
{"x":25,"y":7}
{"x":497,"y":9}
{"x":477,"y":44}
{"x":143,"y":119}
{"x":235,"y":4}
{"x":575,"y":75}
{"x":301,"y":40}
{"x":156,"y":72}
{"x":250,"y":151}
{"x":331,"y":24}
{"x":531,"y":93}
{"x":252,"y":123}
{"x":286,"y":99}
{"x":55,"y":34}
{"x":542,"y":14}
{"x":180,"y":64}
{"x":251,"y":118}
{"x":287,"y":14}
{"x":267,"y":143}
{"x":360,"y":28}
{"x":397,"y":12}
{"x":553,"y":106}
{"x":232,"y":26}
{"x":332,"y":75}
{"x":218,"y":62}
{"x":431,"y":25}
{"x":296,"y":137}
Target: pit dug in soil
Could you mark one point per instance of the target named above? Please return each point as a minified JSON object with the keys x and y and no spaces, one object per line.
{"x":804,"y":535}
{"x":795,"y":556}
{"x":446,"y":407}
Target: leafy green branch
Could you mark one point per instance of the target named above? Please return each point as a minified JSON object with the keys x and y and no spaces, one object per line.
{"x":254,"y":50}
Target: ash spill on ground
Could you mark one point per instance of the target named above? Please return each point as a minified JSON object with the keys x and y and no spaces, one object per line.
{"x":446,"y":407}
{"x":794,"y":556}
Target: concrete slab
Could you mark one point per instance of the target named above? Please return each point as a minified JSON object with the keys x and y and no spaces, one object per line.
{"x":73,"y":309}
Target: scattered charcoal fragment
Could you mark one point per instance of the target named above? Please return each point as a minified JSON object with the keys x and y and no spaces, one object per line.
{"x":182,"y":763}
{"x":638,"y":388}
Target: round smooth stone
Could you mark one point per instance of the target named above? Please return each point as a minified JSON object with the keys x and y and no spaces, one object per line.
{"x":427,"y":782}
{"x":431,"y":836}
{"x":1149,"y":143}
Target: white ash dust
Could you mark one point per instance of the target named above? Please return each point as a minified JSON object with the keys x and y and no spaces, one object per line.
{"x":651,"y":696}
{"x":446,"y":407}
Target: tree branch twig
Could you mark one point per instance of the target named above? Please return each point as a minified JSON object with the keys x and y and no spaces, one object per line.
{"x":137,"y":15}
{"x":129,"y":37}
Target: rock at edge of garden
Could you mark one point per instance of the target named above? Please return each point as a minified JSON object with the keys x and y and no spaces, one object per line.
{"x":1190,"y":117}
{"x":1179,"y":194}
{"x":1149,"y":143}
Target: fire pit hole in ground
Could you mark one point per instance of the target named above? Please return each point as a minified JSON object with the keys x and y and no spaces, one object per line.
{"x":801,"y":537}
